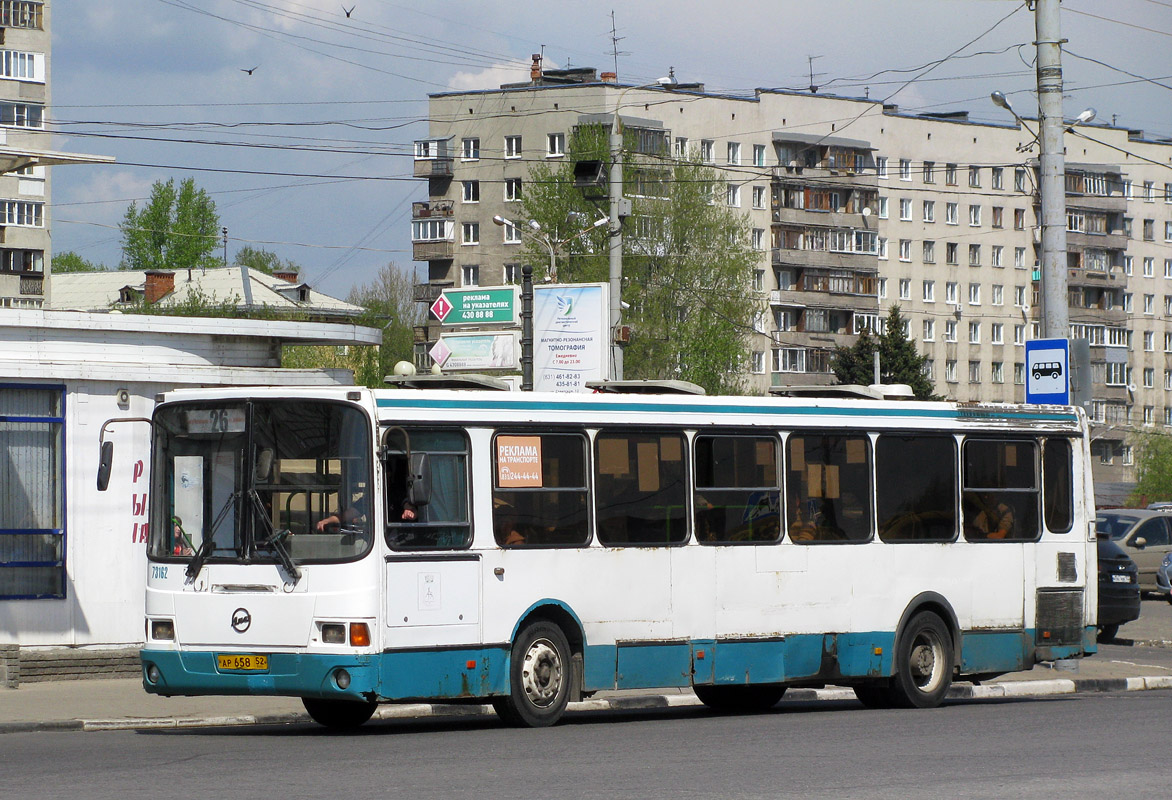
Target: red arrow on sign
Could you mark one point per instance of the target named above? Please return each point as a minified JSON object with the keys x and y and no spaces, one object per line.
{"x":441,"y":308}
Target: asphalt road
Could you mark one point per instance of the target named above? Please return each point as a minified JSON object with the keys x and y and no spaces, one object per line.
{"x":1087,"y":745}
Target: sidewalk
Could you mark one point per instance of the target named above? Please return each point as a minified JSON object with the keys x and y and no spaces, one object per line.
{"x":121,"y":704}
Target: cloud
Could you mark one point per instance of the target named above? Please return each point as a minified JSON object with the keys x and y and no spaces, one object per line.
{"x":492,"y":77}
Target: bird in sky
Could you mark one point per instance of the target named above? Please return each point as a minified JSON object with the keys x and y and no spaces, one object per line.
{"x":349,"y":10}
{"x":250,"y":71}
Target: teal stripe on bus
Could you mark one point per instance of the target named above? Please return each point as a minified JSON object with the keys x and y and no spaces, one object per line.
{"x":661,"y":408}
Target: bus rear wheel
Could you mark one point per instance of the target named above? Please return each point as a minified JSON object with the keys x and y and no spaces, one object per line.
{"x":873,"y":695}
{"x":539,"y":678}
{"x":923,"y":663}
{"x":739,"y":698}
{"x":338,"y":715}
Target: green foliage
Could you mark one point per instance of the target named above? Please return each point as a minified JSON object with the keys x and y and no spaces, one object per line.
{"x":263,"y":261}
{"x":198,"y":304}
{"x":899,"y":361}
{"x":1153,"y":467}
{"x":389,"y":307}
{"x":687,"y":261}
{"x":70,"y":261}
{"x":176,"y":229}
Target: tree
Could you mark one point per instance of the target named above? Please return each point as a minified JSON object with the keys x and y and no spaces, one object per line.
{"x":1153,"y":468}
{"x":175,"y":229}
{"x":687,"y":261}
{"x":899,"y":361}
{"x":70,"y":261}
{"x":264,"y":261}
{"x":390,"y":307}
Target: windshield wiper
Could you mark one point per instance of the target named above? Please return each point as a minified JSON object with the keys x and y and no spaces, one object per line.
{"x":275,"y":541}
{"x":208,"y":545}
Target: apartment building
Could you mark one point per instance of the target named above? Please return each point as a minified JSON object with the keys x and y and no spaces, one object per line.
{"x":25,"y":154}
{"x":855,"y":206}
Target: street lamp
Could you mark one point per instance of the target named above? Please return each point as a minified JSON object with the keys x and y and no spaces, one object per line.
{"x":538,"y":234}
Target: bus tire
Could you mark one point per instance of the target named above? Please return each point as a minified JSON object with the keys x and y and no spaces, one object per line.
{"x":338,"y":715}
{"x":873,"y":695}
{"x":923,"y":663}
{"x":540,"y":674}
{"x":1107,"y":633}
{"x":739,"y":699}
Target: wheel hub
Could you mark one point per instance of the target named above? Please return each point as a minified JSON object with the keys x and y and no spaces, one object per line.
{"x":542,"y":673}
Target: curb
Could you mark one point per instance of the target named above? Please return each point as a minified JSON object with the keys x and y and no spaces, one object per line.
{"x":988,"y":691}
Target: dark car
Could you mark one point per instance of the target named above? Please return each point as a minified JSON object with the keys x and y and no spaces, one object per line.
{"x":1118,"y":588}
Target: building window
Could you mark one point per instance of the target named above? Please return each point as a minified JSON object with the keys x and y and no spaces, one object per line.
{"x":997,"y":333}
{"x":905,"y":169}
{"x":951,"y":213}
{"x":1149,"y":267}
{"x":950,"y":370}
{"x":974,"y":333}
{"x":975,"y":177}
{"x":470,"y":233}
{"x":930,"y":369}
{"x":758,"y":155}
{"x":22,"y":214}
{"x":22,"y":115}
{"x":974,"y":216}
{"x":929,"y":330}
{"x":758,"y":197}
{"x":882,"y":288}
{"x":929,"y":172}
{"x":974,"y":255}
{"x":512,"y":190}
{"x":32,"y":488}
{"x":19,"y":66}
{"x":997,"y":181}
{"x":882,"y":248}
{"x":555,"y":145}
{"x":681,"y":147}
{"x":17,"y":261}
{"x":1019,"y":180}
{"x":882,"y":208}
{"x":1149,"y":378}
{"x":512,"y":147}
{"x":707,"y":151}
{"x":470,"y":274}
{"x":951,"y":251}
{"x":950,"y":174}
{"x":905,"y":249}
{"x":431,"y":230}
{"x":758,"y":362}
{"x":512,"y":274}
{"x":1019,"y":219}
{"x":929,"y":291}
{"x":996,"y":253}
{"x":1149,"y":341}
{"x":998,"y":217}
{"x":470,"y":149}
{"x":905,"y":209}
{"x":950,"y":330}
{"x":974,"y":372}
{"x":929,"y":252}
{"x":1019,"y":335}
{"x":733,"y":195}
{"x":471,"y":191}
{"x":997,"y":372}
{"x":757,"y":238}
{"x":929,"y":211}
{"x":974,"y":294}
{"x":1018,"y":373}
{"x":734,"y":153}
{"x":998,"y":295}
{"x":512,"y":233}
{"x":1149,"y":230}
{"x":905,"y":289}
{"x":881,"y":166}
{"x":950,"y":292}
{"x":1149,"y":191}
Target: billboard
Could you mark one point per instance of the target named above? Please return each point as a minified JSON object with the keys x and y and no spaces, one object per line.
{"x":570,"y":336}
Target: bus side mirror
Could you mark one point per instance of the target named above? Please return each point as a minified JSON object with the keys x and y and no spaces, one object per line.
{"x":419,"y":480}
{"x":104,"y":464}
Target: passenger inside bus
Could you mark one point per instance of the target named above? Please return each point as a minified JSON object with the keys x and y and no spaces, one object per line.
{"x":989,"y":516}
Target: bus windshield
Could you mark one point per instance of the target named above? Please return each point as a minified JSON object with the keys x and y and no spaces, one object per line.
{"x":264,"y":481}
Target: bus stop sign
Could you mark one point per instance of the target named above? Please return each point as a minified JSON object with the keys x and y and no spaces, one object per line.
{"x":1048,"y":371}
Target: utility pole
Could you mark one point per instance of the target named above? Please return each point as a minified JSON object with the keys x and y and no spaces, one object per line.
{"x":1052,"y":185}
{"x":616,"y":243}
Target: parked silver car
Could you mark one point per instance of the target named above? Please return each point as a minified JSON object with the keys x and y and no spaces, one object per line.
{"x":1145,"y":535}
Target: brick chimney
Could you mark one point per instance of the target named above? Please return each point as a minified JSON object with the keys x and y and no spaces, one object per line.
{"x":159,"y":283}
{"x":287,"y":275}
{"x":535,"y":70}
{"x":609,"y":77}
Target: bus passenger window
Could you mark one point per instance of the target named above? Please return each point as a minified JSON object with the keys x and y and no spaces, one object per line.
{"x":738,"y":495}
{"x":539,"y":490}
{"x":1057,"y":483}
{"x":443,"y":522}
{"x":828,"y":488}
{"x":915,"y":505}
{"x":1000,"y":500}
{"x":640,"y":488}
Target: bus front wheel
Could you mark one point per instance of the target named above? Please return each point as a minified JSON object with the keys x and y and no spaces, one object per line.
{"x":923,"y":663}
{"x":539,"y":678}
{"x":338,"y":715}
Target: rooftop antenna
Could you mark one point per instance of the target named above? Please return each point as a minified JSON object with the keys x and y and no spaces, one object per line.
{"x":813,"y":74}
{"x":614,"y":45}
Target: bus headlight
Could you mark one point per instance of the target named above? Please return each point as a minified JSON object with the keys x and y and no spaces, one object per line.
{"x":163,"y":629}
{"x":333,"y":633}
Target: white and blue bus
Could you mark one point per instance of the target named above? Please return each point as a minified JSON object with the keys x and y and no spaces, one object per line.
{"x":353,"y":547}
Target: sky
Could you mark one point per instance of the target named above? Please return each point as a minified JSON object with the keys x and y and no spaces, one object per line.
{"x":309,"y":155}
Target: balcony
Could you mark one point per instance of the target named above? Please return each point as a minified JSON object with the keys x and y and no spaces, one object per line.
{"x":429,"y":292}
{"x":433,"y":251}
{"x":433,"y":168}
{"x":432,"y":209}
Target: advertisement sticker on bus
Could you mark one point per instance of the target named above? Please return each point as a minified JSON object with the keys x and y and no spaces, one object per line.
{"x":518,"y":462}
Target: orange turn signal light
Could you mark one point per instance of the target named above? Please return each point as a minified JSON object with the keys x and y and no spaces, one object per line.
{"x":359,"y":634}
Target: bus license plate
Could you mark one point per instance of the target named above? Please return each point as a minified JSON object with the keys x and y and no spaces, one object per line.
{"x":246,"y":663}
{"x":1121,"y":578}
